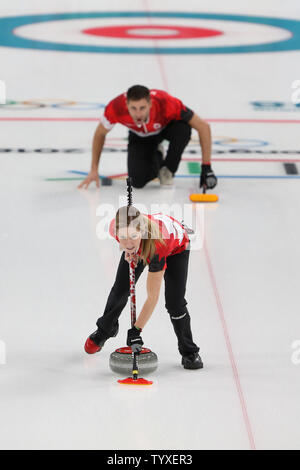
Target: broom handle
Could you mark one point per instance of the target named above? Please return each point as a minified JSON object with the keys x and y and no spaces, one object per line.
{"x":132,"y":267}
{"x":129,"y":191}
{"x":132,"y":293}
{"x":135,"y":365}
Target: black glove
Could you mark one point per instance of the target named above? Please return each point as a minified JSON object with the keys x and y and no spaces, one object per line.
{"x":134,"y":339}
{"x":207,"y":177}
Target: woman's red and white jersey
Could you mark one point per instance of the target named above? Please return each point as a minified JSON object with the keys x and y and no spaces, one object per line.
{"x":174,"y":235}
{"x":164,"y":109}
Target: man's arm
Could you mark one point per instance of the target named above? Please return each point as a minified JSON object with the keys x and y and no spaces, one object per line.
{"x":207,"y":177}
{"x":154,"y":281}
{"x":204,"y":132}
{"x":97,"y":146}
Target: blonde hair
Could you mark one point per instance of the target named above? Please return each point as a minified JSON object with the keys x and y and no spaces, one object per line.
{"x":130,"y":216}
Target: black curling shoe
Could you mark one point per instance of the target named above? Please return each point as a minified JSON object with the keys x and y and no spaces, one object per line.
{"x":192,"y":361}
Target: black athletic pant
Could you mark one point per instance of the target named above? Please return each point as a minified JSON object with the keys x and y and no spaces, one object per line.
{"x":175,"y":285}
{"x":144,"y":161}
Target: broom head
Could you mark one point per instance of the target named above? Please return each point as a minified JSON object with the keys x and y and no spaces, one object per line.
{"x":204,"y":197}
{"x":132,"y":381}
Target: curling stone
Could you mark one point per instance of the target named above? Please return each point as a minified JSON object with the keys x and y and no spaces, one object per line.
{"x":106,"y":181}
{"x":120,"y":361}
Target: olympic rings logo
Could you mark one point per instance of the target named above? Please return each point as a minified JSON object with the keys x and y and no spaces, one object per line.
{"x":51,"y":103}
{"x":232,"y":142}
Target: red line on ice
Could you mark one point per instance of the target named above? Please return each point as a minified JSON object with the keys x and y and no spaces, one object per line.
{"x":95,"y":119}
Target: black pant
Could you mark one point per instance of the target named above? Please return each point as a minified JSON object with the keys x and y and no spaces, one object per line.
{"x":175,"y":285}
{"x":144,"y":161}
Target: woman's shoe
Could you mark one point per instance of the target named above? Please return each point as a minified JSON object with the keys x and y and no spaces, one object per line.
{"x":96,"y":340}
{"x":192,"y":361}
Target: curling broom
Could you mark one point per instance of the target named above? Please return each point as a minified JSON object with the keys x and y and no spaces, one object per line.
{"x":135,"y":379}
{"x":204,"y":197}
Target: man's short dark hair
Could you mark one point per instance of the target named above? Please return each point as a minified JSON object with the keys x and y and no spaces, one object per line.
{"x":138,"y":92}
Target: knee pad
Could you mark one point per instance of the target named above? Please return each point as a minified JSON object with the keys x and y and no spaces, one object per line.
{"x":181,"y":322}
{"x":178,"y":316}
{"x":178,"y":310}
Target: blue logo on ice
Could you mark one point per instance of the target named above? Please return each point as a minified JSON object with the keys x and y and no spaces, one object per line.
{"x":8,"y":37}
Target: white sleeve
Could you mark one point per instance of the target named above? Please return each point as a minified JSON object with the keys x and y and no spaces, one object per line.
{"x":105,"y":123}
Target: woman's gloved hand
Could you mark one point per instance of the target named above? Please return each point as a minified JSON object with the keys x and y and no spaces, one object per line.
{"x":134,"y":339}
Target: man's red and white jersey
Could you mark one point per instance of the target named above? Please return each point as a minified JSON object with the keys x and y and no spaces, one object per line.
{"x":174,"y":235}
{"x":165,"y":108}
